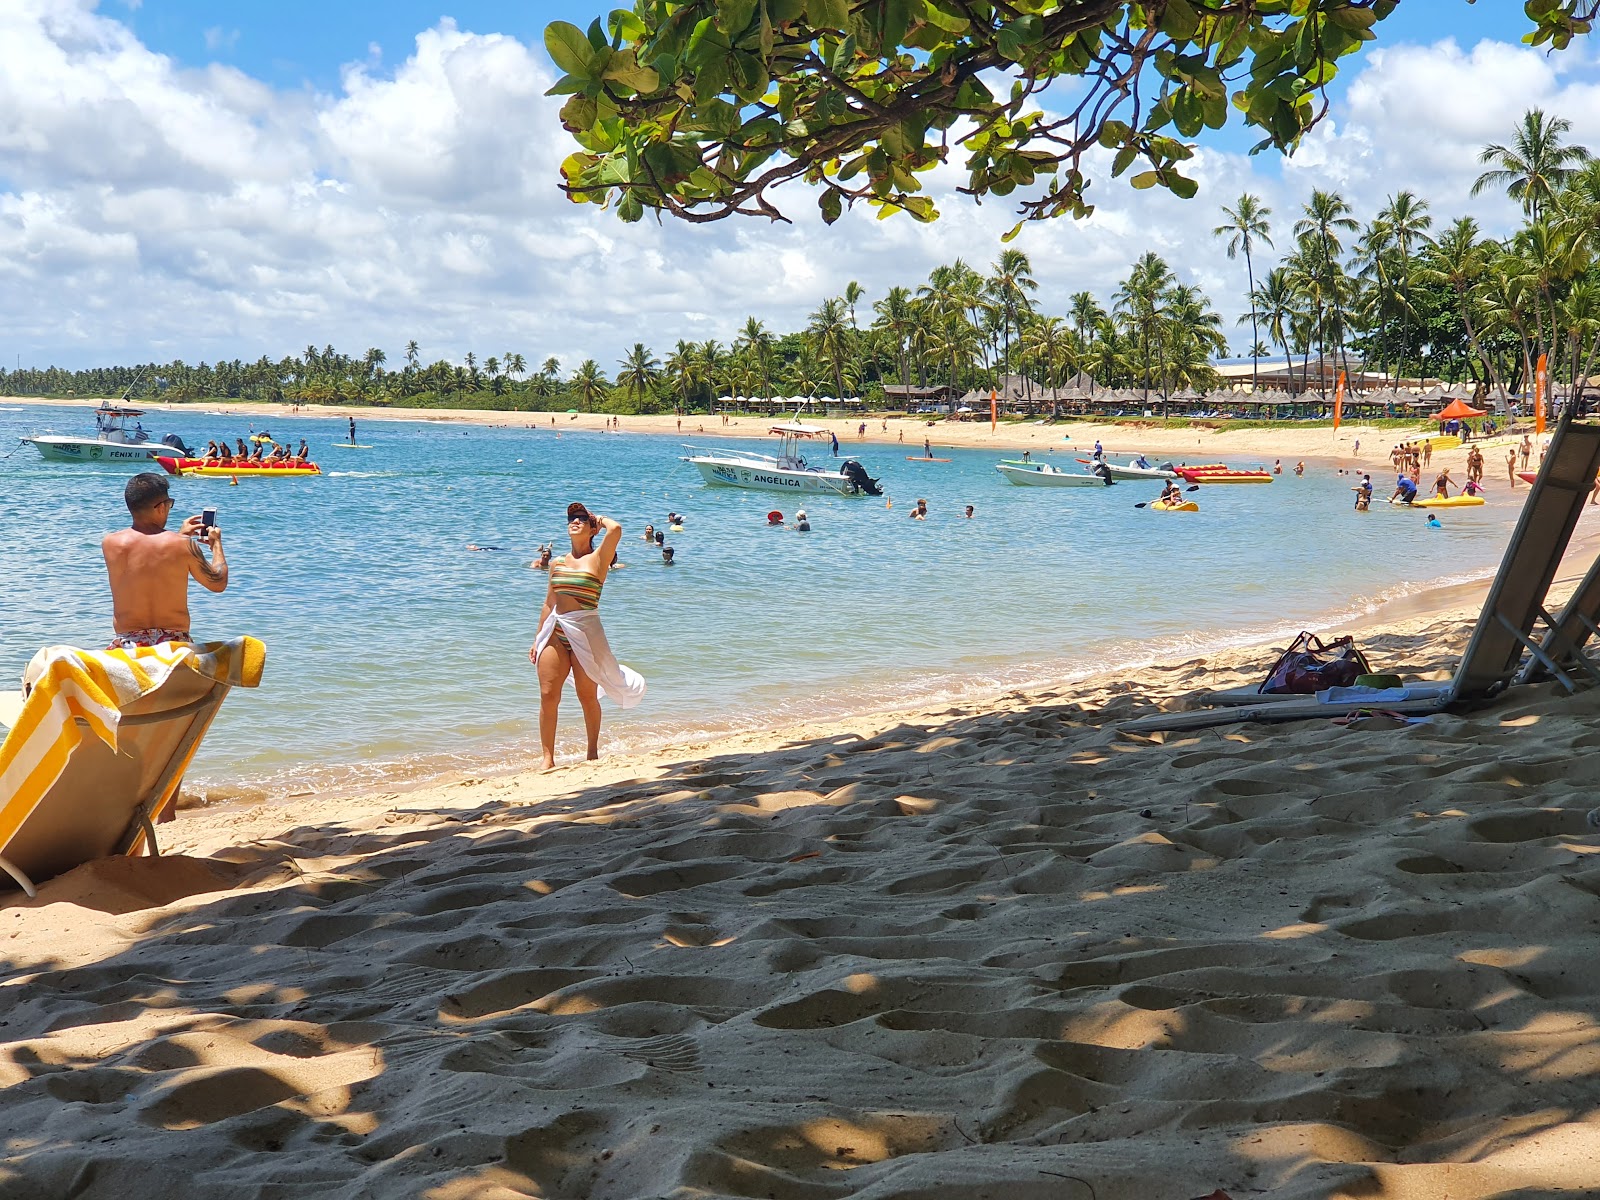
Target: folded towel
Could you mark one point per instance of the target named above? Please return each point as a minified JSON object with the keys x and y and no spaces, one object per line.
{"x":1367,"y":695}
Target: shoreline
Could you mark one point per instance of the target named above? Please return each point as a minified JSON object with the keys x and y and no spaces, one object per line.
{"x":1459,"y":600}
{"x":1319,"y":445}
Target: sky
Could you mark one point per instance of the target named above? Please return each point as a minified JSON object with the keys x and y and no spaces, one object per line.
{"x":182,"y":179}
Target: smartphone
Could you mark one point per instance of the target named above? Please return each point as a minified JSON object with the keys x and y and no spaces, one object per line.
{"x":208,"y":518}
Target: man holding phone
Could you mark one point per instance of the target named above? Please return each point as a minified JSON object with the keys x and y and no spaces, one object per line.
{"x":149,"y":567}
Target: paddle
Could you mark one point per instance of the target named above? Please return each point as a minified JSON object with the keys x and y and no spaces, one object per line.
{"x":1193,"y":487}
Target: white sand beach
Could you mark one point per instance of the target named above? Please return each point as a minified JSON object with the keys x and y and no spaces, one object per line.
{"x":1289,"y":440}
{"x":984,"y":951}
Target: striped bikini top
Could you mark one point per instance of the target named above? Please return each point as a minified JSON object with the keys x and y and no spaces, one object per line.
{"x":579,"y":585}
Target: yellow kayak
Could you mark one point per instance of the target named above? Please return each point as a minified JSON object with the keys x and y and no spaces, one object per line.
{"x":1168,"y":506}
{"x":1448,"y":502}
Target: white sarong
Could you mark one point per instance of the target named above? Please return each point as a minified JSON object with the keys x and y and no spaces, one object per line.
{"x":592,"y":652}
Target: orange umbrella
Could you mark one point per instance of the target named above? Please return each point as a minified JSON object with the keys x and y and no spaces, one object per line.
{"x":1458,"y":410}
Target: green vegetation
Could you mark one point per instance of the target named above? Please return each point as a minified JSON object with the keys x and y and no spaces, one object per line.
{"x":702,"y":108}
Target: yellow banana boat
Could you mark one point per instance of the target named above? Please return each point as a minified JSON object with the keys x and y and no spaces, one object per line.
{"x":211,"y":468}
{"x":1448,"y":502}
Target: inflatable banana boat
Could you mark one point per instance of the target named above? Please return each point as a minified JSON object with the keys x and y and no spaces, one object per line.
{"x":211,"y":467}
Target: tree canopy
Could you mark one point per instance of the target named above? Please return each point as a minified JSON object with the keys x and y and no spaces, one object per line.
{"x":701,"y":108}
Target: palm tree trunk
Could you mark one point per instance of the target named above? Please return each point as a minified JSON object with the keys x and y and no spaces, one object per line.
{"x":1255,"y":334}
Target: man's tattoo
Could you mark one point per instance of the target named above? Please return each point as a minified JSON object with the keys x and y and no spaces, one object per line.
{"x":206,"y":566}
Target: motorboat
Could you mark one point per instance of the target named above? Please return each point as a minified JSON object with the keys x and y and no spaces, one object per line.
{"x":1044,"y":475}
{"x":114,"y":441}
{"x":1133,"y":470}
{"x":786,"y":471}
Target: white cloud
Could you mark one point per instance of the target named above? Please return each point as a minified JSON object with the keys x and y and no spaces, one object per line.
{"x":218,"y":38}
{"x":151,"y":210}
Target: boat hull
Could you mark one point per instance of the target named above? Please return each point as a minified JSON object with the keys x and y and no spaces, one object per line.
{"x":761,"y":478}
{"x":1448,"y":502}
{"x":1043,"y":476}
{"x":187,"y":467}
{"x":1132,"y":472}
{"x":92,"y":450}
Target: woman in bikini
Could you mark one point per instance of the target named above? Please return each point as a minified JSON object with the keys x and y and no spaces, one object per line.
{"x":576,"y":579}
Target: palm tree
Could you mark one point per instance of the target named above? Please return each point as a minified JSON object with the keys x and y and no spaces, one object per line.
{"x":588,"y":383}
{"x":1536,"y":164}
{"x":639,"y":372}
{"x":683,"y":365}
{"x":412,"y":351}
{"x":827,"y":333}
{"x":757,"y":342}
{"x":1326,"y":215}
{"x":853,"y":292}
{"x":1246,"y":224}
{"x":897,"y":321}
{"x":1138,"y":301}
{"x":1457,"y":261}
{"x":713,"y":362}
{"x":1275,"y":299}
{"x":1009,"y":285}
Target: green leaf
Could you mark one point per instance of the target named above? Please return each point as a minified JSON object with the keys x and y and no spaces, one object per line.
{"x":1018,"y":39}
{"x":568,"y":48}
{"x":1145,"y":180}
{"x":830,"y":14}
{"x":1179,"y":21}
{"x":733,"y":16}
{"x":578,"y":113}
{"x":831,"y":202}
{"x":625,"y":71}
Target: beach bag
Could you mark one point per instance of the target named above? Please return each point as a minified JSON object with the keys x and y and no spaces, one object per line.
{"x":1312,"y":665}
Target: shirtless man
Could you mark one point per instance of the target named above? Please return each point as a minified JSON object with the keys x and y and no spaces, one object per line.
{"x":150,"y":568}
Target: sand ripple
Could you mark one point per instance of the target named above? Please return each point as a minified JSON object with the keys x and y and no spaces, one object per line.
{"x":1007,"y":954}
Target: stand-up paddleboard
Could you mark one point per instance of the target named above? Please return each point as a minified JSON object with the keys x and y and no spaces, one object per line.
{"x":349,"y":446}
{"x":920,"y":458}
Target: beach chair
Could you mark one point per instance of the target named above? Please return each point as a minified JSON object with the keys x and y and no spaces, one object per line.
{"x":1505,"y":635}
{"x":97,"y":750}
{"x":1569,"y":632}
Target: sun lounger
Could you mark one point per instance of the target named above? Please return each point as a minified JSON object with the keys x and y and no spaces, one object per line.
{"x":96,"y":752}
{"x":1512,"y":610}
{"x":1569,"y":632}
{"x":1515,"y":604}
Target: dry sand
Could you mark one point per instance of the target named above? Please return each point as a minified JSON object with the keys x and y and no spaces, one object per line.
{"x":999,"y":951}
{"x":1289,"y":441}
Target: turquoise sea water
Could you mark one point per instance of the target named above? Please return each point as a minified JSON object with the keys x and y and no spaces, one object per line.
{"x":392,"y":649}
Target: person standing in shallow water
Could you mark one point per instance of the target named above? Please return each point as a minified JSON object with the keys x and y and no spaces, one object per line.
{"x":571,"y":640}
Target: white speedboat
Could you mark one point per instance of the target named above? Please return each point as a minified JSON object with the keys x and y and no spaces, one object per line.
{"x":1044,"y":475}
{"x":113,"y":443}
{"x":787,"y":471}
{"x":1134,"y":471}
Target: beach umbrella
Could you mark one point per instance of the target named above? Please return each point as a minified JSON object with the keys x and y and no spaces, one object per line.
{"x":572,"y":410}
{"x":1458,"y":410}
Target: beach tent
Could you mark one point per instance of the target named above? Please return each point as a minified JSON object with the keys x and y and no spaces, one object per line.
{"x":1458,"y":410}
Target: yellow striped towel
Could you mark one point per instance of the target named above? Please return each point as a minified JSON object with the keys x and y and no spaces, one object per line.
{"x":95,"y":685}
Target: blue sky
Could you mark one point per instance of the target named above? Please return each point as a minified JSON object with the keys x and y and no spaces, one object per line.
{"x":295,"y":42}
{"x":320,"y":190}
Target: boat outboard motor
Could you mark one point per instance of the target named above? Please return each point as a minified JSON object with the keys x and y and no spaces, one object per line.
{"x":1166,"y":466}
{"x":1104,"y":472}
{"x":857,"y":475}
{"x":176,"y":443}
